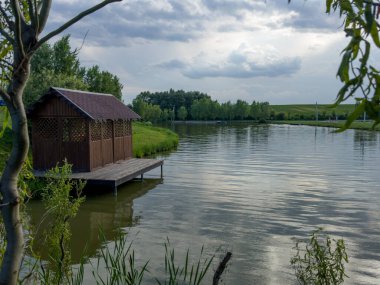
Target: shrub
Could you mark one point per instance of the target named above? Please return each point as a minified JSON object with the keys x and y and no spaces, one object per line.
{"x":322,"y":260}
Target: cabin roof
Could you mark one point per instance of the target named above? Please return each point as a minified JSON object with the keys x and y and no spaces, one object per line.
{"x":96,"y":106}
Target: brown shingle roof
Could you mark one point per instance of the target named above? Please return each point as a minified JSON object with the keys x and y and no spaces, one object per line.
{"x":96,"y":106}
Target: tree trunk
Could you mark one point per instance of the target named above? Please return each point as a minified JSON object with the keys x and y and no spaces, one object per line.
{"x":11,"y":200}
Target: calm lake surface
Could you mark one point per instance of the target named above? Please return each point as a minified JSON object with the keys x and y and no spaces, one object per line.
{"x":249,"y":189}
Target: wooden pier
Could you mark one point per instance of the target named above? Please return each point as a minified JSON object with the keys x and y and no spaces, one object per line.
{"x":115,"y":174}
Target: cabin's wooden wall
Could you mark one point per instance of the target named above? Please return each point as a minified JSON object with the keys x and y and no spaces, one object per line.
{"x":55,"y":139}
{"x":110,"y":142}
{"x":56,"y":107}
{"x":59,"y":132}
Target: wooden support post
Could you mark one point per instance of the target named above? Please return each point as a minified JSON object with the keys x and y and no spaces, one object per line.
{"x":142,"y":176}
{"x":162,"y":174}
{"x":115,"y":190}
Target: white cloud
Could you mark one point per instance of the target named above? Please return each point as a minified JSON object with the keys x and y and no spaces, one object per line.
{"x":244,"y":62}
{"x":239,"y":48}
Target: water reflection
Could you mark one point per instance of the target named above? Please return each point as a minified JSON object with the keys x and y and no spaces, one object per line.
{"x":364,"y":140}
{"x":252,"y":188}
{"x":101,"y":211}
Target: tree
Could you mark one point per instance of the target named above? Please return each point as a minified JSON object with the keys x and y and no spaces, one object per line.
{"x":65,"y":61}
{"x":241,"y":109}
{"x":182,"y":113}
{"x":103,"y":82}
{"x":21,"y":24}
{"x":39,"y":83}
{"x":59,"y":66}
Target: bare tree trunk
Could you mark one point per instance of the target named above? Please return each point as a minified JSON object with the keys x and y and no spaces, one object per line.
{"x":10,"y":194}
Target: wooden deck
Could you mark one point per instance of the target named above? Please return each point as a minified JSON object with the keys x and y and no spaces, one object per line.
{"x":115,"y":174}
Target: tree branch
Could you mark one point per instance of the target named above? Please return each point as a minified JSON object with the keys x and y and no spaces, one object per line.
{"x":5,"y":95}
{"x":5,"y":62}
{"x":6,"y":17}
{"x":18,"y":25}
{"x":7,"y":36}
{"x":73,"y":21}
{"x":43,"y":15}
{"x":32,"y":13}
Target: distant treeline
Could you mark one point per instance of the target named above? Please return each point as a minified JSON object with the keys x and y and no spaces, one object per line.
{"x":194,"y":105}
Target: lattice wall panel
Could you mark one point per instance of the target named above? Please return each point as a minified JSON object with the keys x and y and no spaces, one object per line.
{"x":123,"y":128}
{"x":74,"y":130}
{"x":119,"y":128}
{"x":46,"y":128}
{"x":96,"y":131}
{"x":128,"y":128}
{"x":107,"y":130}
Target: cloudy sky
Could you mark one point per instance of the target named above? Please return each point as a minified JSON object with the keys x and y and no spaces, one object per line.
{"x":230,"y":49}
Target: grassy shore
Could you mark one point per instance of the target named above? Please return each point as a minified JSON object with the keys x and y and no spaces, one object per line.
{"x":331,"y":124}
{"x":148,"y":140}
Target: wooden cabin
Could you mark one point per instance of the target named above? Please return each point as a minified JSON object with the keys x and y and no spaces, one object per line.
{"x":88,"y":129}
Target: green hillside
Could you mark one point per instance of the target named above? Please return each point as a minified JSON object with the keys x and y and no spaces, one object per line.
{"x":308,"y":111}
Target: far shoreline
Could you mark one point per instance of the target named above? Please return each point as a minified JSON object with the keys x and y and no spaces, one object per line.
{"x":357,"y":125}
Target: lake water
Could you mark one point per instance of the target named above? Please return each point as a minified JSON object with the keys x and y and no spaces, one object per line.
{"x":249,"y":189}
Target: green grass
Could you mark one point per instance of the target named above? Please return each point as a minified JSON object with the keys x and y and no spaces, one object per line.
{"x":148,"y":140}
{"x":332,"y":124}
{"x":309,"y":109}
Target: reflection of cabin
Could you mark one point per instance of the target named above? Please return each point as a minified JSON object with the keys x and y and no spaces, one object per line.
{"x":89,"y":129}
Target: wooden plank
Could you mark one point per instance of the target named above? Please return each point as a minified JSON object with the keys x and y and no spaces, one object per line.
{"x":115,"y":174}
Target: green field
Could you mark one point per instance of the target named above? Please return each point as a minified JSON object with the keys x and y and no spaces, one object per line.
{"x":332,"y":124}
{"x":308,"y":111}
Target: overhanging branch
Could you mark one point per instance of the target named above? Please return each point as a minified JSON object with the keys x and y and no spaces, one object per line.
{"x":73,"y":21}
{"x":43,"y":15}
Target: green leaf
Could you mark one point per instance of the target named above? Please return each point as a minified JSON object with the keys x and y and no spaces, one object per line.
{"x":369,"y":17}
{"x":328,"y":5}
{"x":359,"y":110}
{"x":375,"y":34}
{"x":343,"y":73}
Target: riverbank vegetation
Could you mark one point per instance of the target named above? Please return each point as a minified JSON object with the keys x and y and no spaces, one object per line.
{"x":197,"y":106}
{"x":148,"y":140}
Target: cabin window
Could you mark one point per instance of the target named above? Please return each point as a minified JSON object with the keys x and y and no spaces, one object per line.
{"x":46,"y":128}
